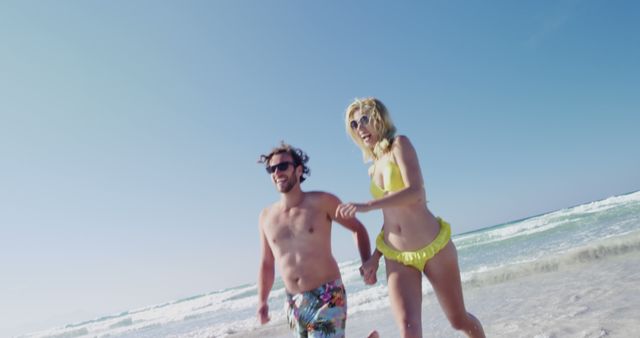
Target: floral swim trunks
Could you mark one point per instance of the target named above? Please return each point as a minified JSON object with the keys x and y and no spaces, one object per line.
{"x":321,"y":312}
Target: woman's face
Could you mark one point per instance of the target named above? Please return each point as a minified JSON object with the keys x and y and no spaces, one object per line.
{"x":361,"y":126}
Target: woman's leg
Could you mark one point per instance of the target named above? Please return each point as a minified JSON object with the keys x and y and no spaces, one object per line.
{"x":405,"y":293}
{"x":444,"y":274}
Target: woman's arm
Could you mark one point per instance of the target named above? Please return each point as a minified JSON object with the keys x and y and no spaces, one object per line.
{"x":413,"y":192}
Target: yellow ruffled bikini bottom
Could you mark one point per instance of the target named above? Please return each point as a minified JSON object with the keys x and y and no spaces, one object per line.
{"x":417,"y":259}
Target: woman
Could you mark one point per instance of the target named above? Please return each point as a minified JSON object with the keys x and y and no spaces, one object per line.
{"x":412,"y":240}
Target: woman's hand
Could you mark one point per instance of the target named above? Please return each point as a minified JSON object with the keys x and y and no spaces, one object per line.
{"x":348,"y":210}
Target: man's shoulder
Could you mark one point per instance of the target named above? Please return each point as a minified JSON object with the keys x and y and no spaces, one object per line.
{"x":264,"y":213}
{"x":323,"y":200}
{"x":321,"y":195}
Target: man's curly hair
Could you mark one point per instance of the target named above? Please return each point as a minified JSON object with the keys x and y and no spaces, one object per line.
{"x":299,"y":158}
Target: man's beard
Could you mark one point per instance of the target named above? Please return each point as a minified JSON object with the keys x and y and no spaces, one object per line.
{"x":291,"y":182}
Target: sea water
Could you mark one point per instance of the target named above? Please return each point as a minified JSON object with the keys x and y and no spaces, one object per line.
{"x":534,"y":245}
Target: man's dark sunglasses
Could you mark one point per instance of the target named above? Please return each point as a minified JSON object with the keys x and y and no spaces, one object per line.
{"x":282,"y":166}
{"x":364,"y":119}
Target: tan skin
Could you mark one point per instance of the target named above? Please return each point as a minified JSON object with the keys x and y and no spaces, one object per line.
{"x":295,"y":232}
{"x":409,"y":226}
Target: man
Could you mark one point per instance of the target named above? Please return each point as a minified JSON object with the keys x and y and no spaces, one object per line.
{"x":296,"y":233}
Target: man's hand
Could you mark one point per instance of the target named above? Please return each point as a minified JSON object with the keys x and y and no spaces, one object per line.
{"x":263,"y":313}
{"x":348,"y":210}
{"x":369,"y":270}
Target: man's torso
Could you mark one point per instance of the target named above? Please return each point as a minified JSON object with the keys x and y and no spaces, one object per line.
{"x":300,"y":239}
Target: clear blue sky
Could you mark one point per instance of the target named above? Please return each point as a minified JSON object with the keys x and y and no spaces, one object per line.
{"x":130,"y":130}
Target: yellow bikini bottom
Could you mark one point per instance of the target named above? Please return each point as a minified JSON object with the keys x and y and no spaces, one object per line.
{"x":417,"y":259}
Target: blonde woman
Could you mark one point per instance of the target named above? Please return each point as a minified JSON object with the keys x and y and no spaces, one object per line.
{"x":412,"y":240}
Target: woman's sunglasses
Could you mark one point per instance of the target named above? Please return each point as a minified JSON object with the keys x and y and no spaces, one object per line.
{"x":364,"y":119}
{"x":282,"y":166}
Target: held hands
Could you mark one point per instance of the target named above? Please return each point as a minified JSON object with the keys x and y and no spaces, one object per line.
{"x":263,"y":313}
{"x":369,"y":269}
{"x":348,"y":210}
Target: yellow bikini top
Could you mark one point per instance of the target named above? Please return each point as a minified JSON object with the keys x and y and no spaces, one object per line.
{"x":391,"y":178}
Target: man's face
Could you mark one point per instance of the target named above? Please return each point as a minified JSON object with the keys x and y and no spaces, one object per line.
{"x":285,"y":179}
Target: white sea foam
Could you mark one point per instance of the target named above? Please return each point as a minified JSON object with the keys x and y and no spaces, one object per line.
{"x":603,"y":249}
{"x":546,"y":222}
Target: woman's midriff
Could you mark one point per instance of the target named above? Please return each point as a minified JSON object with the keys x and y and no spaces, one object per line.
{"x":409,"y":229}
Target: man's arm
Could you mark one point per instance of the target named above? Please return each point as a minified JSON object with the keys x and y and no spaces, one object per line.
{"x":265,"y":274}
{"x":360,"y":234}
{"x":369,"y":270}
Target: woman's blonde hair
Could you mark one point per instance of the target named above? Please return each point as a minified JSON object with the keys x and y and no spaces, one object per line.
{"x":379,"y":121}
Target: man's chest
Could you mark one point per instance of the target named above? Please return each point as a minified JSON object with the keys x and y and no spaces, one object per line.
{"x":297,"y":224}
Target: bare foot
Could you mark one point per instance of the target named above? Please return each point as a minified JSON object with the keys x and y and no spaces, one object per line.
{"x":373,"y":334}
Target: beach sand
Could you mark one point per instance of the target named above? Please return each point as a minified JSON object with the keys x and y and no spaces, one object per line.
{"x":598,"y":298}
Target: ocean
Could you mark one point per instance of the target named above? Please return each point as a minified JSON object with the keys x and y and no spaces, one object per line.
{"x":582,"y":235}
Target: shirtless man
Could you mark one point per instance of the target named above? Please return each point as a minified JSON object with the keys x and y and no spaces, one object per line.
{"x":296,"y":232}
